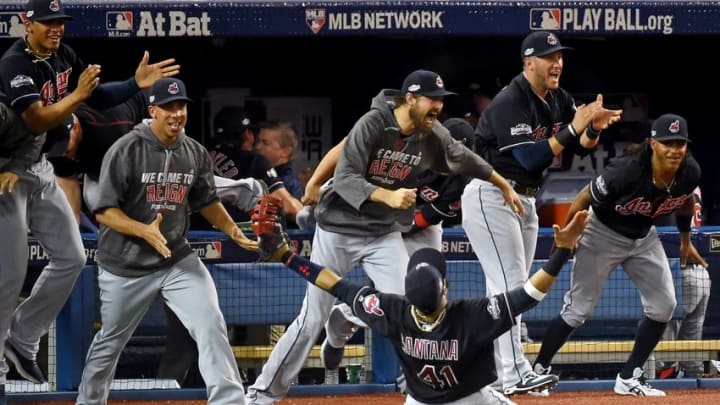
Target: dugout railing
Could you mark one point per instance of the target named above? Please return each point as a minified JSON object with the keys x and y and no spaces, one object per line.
{"x":253,"y":293}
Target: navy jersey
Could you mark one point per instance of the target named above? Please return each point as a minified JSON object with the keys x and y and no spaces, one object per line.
{"x":625,"y":199}
{"x":438,"y":196}
{"x":235,"y":163}
{"x":26,"y":78}
{"x":517,"y":117}
{"x":102,"y":128}
{"x":445,"y":363}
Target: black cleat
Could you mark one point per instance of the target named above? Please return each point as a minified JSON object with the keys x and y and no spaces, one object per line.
{"x":331,"y":356}
{"x":532,"y":382}
{"x":3,"y":400}
{"x":28,"y":369}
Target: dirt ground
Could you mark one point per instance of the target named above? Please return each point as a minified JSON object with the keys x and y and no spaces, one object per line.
{"x":675,"y":397}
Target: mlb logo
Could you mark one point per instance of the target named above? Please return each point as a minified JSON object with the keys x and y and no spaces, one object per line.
{"x":315,"y":19}
{"x":119,"y":20}
{"x":207,"y":250}
{"x":545,"y":19}
{"x":11,"y":25}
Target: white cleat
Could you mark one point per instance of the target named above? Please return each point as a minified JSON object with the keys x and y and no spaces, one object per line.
{"x":636,"y":386}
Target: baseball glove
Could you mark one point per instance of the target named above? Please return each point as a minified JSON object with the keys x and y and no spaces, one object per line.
{"x":267,"y":222}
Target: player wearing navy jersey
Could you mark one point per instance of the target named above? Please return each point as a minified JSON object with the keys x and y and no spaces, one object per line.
{"x":367,"y":205}
{"x":625,"y":200}
{"x":445,"y":347}
{"x":234,"y":157}
{"x":528,"y":123}
{"x":438,"y":197}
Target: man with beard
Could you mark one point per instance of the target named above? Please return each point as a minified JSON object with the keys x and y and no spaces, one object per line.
{"x":366,"y":207}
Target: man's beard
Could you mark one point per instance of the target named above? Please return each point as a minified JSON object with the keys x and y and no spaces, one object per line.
{"x":419,"y":121}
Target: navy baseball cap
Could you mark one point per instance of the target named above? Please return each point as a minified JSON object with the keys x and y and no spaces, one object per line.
{"x":45,"y":10}
{"x":424,"y":281}
{"x":167,"y":90}
{"x":541,"y":43}
{"x":460,"y":130}
{"x":670,"y":127}
{"x":232,"y":120}
{"x":425,"y":83}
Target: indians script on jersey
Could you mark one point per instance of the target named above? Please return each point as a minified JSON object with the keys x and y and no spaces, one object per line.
{"x":391,"y":165}
{"x":643,"y":207}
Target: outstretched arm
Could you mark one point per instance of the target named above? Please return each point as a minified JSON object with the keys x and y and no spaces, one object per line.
{"x":523,"y":298}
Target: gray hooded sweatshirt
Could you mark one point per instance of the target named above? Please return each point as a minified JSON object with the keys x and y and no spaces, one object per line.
{"x":143,"y":177}
{"x":376,"y":155}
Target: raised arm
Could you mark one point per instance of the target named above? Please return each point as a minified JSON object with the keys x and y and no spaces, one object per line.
{"x":524,"y":298}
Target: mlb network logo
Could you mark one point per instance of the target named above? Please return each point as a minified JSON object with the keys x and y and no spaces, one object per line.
{"x":315,"y":19}
{"x":545,"y":19}
{"x":11,"y":24}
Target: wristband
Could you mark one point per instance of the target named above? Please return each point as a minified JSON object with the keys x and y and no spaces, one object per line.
{"x":591,"y":133}
{"x":533,"y":292}
{"x":304,"y":267}
{"x":558,"y":259}
{"x":572,"y":129}
{"x":565,"y":137}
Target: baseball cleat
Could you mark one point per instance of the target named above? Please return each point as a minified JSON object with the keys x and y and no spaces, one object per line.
{"x":532,"y":382}
{"x":27,"y":368}
{"x":636,"y":386}
{"x":331,"y":356}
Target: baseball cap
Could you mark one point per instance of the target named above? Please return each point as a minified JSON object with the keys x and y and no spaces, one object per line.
{"x":541,"y":43}
{"x":425,"y":83}
{"x":460,"y":130}
{"x":45,"y":10}
{"x":424,"y":279}
{"x":167,"y":90}
{"x":232,"y":120}
{"x":670,"y":127}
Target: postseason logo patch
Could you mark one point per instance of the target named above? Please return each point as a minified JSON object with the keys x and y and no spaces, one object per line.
{"x":315,"y":19}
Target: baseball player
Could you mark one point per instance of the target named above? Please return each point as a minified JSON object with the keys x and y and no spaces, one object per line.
{"x":235,"y":158}
{"x":696,"y":287}
{"x":26,"y":186}
{"x":625,"y":199}
{"x":445,"y":348}
{"x":438,"y":197}
{"x":528,"y":123}
{"x":365,"y":208}
{"x":99,"y":129}
{"x":150,"y":180}
{"x":45,"y":81}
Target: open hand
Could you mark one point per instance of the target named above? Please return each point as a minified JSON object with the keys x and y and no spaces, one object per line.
{"x":8,"y":180}
{"x":568,"y":236}
{"x":147,"y":74}
{"x":155,"y":238}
